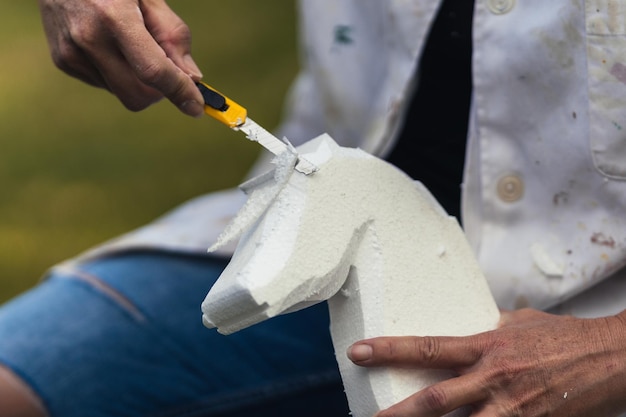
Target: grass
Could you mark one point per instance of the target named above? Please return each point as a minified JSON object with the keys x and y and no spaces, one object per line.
{"x":76,"y":168}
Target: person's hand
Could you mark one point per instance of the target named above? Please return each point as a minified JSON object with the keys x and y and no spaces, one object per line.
{"x":137,"y":49}
{"x":535,"y":364}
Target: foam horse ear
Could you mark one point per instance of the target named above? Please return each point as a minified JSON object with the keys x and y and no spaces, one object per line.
{"x":262,"y":191}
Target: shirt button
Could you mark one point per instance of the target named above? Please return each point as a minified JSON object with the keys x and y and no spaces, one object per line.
{"x":500,"y":6}
{"x":510,"y":188}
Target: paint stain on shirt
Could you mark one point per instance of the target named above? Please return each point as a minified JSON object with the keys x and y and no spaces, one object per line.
{"x":603,"y":240}
{"x":619,"y":71}
{"x":343,"y":35}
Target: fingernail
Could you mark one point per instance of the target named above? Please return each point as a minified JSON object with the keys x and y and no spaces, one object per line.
{"x":360,"y":353}
{"x":192,"y":108}
{"x":193,"y":69}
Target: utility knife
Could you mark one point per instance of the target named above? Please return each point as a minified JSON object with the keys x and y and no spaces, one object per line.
{"x":235,"y":116}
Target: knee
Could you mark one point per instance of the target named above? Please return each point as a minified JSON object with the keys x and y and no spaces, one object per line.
{"x":17,"y":399}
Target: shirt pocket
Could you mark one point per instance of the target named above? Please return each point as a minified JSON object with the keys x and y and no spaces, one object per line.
{"x":606,"y":49}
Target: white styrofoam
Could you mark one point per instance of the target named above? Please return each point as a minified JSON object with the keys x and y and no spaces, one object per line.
{"x":364,"y":236}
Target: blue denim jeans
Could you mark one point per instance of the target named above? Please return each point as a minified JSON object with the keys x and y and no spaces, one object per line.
{"x":123,"y":336}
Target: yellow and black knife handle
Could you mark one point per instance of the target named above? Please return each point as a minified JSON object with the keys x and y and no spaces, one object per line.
{"x":221,"y":107}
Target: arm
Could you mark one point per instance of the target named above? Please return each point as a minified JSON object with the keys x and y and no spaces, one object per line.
{"x":534,"y":364}
{"x":137,"y":49}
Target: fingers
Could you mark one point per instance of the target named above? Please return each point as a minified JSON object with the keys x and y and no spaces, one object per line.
{"x":174,"y":37}
{"x":455,"y":353}
{"x":172,"y":34}
{"x":147,"y":65}
{"x":413,"y":351}
{"x":439,"y":399}
{"x":140,"y":51}
{"x":73,"y":61}
{"x":157,"y":72}
{"x":66,"y":55}
{"x":119,"y":78}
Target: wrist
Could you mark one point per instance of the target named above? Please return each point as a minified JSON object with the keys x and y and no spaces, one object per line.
{"x":611,"y":338}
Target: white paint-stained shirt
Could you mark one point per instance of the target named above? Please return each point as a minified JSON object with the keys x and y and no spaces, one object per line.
{"x":544,"y":197}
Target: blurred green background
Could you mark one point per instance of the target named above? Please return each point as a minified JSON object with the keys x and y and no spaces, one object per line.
{"x":77,"y":168}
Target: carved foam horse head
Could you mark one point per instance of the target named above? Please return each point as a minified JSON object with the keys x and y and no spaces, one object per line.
{"x":363,"y":235}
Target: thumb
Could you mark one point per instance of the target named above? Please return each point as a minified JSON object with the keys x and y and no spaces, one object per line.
{"x":172,"y":34}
